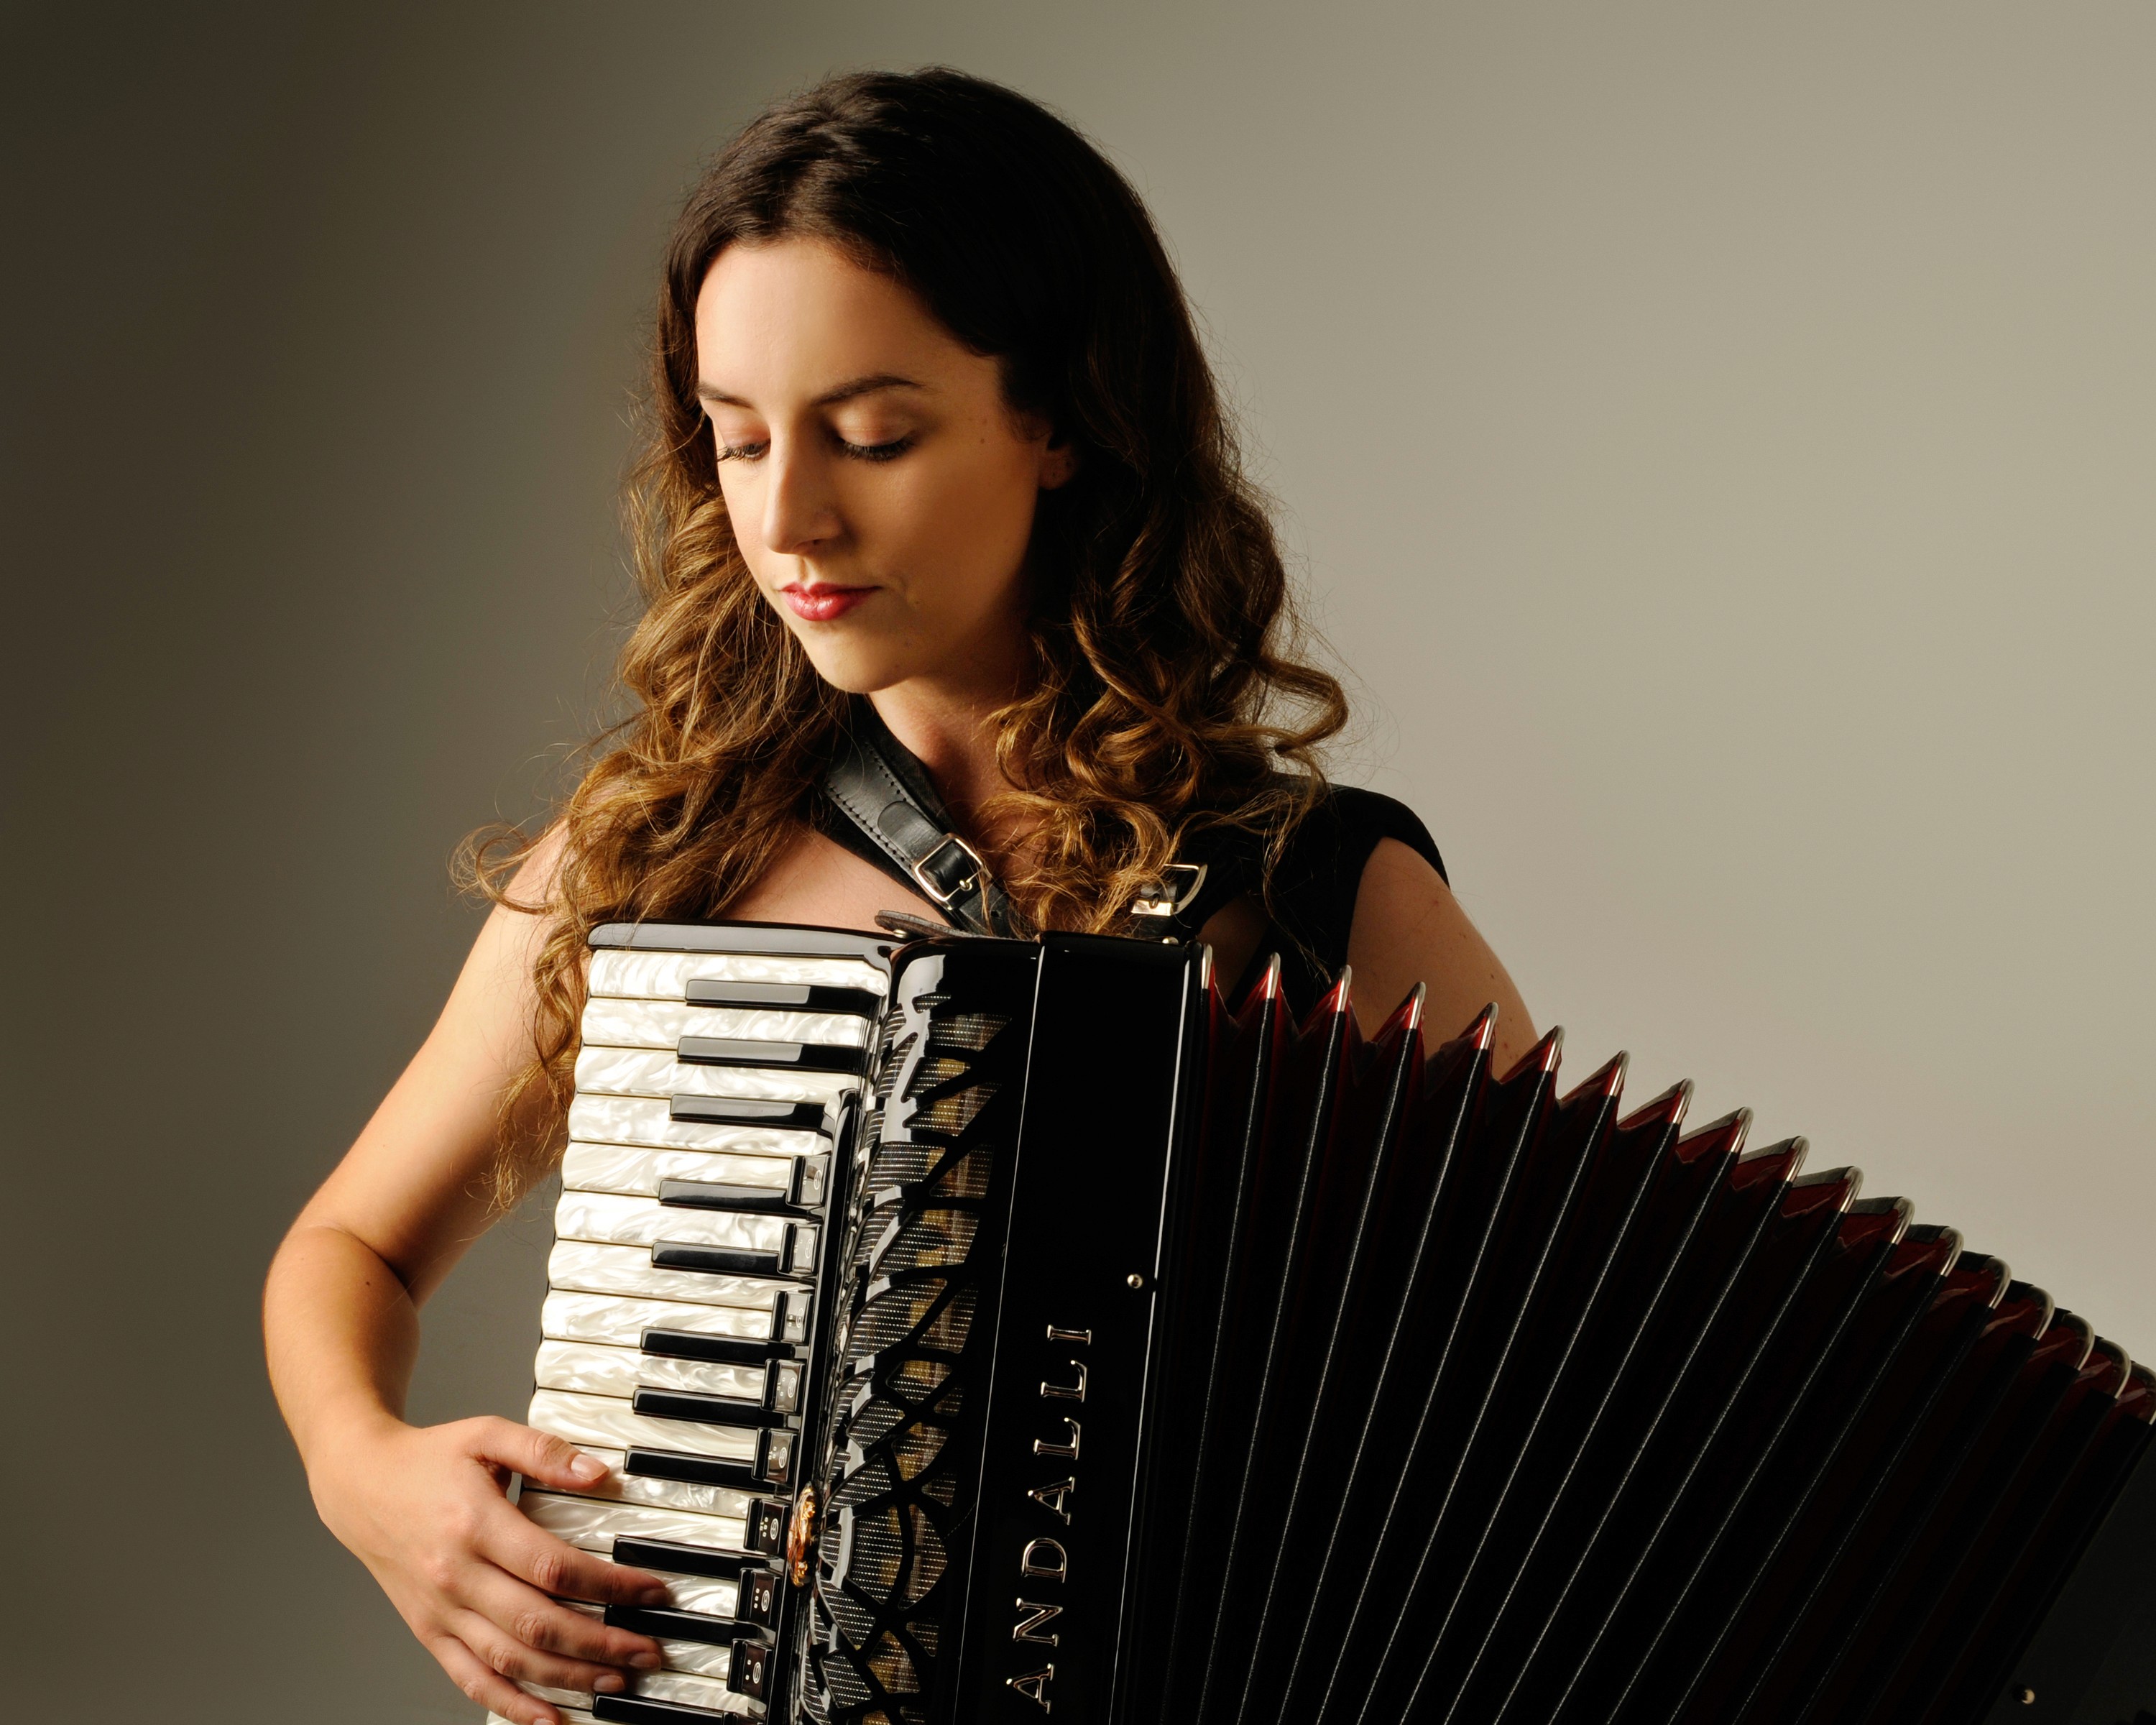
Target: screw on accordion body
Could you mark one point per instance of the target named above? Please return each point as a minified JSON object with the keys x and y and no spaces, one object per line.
{"x":989,"y":1331}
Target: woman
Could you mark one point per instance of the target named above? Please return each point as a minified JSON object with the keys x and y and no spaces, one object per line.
{"x":934,"y":448}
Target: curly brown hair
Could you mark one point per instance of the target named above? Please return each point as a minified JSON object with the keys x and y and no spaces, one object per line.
{"x":1166,"y":694}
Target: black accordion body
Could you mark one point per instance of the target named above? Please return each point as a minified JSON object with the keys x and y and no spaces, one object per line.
{"x":993,"y":1331}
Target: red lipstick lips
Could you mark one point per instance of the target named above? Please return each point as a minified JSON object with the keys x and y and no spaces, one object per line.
{"x":822,"y":603}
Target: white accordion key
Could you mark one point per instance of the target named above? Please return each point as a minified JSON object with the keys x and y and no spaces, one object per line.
{"x":583,"y":1268}
{"x":591,"y":1369}
{"x":700,"y":1595}
{"x":619,"y":1321}
{"x":620,"y":1168}
{"x":682,"y":1687}
{"x":617,"y":1219}
{"x":690,"y":1690}
{"x":662,"y":1024}
{"x":724,"y":1700}
{"x":649,"y":1122}
{"x":620,"y":1487}
{"x":578,"y":1699}
{"x":612,"y":1422}
{"x":696,"y":1658}
{"x":668,"y":976}
{"x":703,"y":1594}
{"x":594,"y":1524}
{"x":657,"y":1073}
{"x":701,"y":1658}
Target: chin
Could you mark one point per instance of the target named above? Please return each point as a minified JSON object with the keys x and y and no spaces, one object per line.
{"x":857,"y":667}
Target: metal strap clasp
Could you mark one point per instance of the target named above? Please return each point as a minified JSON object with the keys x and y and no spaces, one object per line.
{"x":1177,"y":884}
{"x":934,"y":873}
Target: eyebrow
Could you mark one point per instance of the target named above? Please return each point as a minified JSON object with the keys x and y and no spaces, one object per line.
{"x":830,"y":398}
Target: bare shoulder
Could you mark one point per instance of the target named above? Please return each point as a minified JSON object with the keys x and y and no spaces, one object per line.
{"x":415,"y":1186}
{"x":494,"y":994}
{"x":1409,"y":928}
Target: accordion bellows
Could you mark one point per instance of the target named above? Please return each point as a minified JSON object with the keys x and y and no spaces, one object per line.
{"x":1070,"y":1347}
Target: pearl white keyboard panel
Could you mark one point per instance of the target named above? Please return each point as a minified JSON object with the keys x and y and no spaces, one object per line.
{"x":716,"y":1094}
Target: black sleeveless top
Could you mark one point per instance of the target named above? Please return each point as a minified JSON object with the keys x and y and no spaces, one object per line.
{"x":1313,"y":888}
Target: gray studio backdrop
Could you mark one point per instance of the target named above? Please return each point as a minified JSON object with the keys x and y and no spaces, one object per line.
{"x":1719,"y":440}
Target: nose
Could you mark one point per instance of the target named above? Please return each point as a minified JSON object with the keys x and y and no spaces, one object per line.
{"x":800,"y":513}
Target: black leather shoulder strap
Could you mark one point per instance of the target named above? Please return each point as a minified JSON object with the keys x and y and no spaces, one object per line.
{"x":889,"y":812}
{"x":880,"y":790}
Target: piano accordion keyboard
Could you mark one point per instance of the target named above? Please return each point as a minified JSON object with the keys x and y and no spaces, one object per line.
{"x":710,"y":1089}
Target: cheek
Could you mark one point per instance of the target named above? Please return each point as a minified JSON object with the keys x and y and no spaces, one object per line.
{"x":968,"y":517}
{"x":737,"y":491}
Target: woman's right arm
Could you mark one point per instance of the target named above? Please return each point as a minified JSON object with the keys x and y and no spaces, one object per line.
{"x":425,"y":1508}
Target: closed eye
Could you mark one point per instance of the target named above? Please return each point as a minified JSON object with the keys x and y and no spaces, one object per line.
{"x":874,"y":452}
{"x":852,"y":451}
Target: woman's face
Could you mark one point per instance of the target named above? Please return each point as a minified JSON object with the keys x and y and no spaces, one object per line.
{"x":881,"y":489}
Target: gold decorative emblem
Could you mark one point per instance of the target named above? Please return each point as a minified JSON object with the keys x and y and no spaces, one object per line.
{"x":801,"y":1537}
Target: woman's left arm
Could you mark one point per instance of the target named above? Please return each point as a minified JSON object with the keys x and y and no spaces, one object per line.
{"x":1409,"y":928}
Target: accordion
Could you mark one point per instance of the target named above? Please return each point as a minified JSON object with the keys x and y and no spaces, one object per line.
{"x":995,"y":1331}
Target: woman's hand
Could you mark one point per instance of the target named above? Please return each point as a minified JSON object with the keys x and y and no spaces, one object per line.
{"x":425,"y":1508}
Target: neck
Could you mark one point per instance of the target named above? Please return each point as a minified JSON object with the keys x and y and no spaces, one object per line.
{"x":947,"y":729}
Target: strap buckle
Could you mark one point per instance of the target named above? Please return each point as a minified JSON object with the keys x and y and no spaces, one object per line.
{"x":927,"y":874}
{"x":1169,"y":895}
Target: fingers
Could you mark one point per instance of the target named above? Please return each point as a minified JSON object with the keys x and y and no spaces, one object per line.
{"x":487,"y":1686}
{"x":504,"y":1651}
{"x":582,"y":1649}
{"x":536,"y":1454}
{"x":555,"y":1568}
{"x":479,"y":1573}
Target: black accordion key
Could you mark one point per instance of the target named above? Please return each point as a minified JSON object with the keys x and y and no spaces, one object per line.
{"x":798,"y":996}
{"x":750,"y":1111}
{"x":681,"y":1559}
{"x":664,"y":1623}
{"x":772,"y":1466}
{"x":717,"y":1261}
{"x":704,"y":1410}
{"x":724,"y":1350}
{"x":802,"y":1057}
{"x":644,"y":1710}
{"x":711,"y":1195}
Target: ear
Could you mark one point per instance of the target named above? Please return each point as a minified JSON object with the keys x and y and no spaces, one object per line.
{"x":1058,"y":461}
